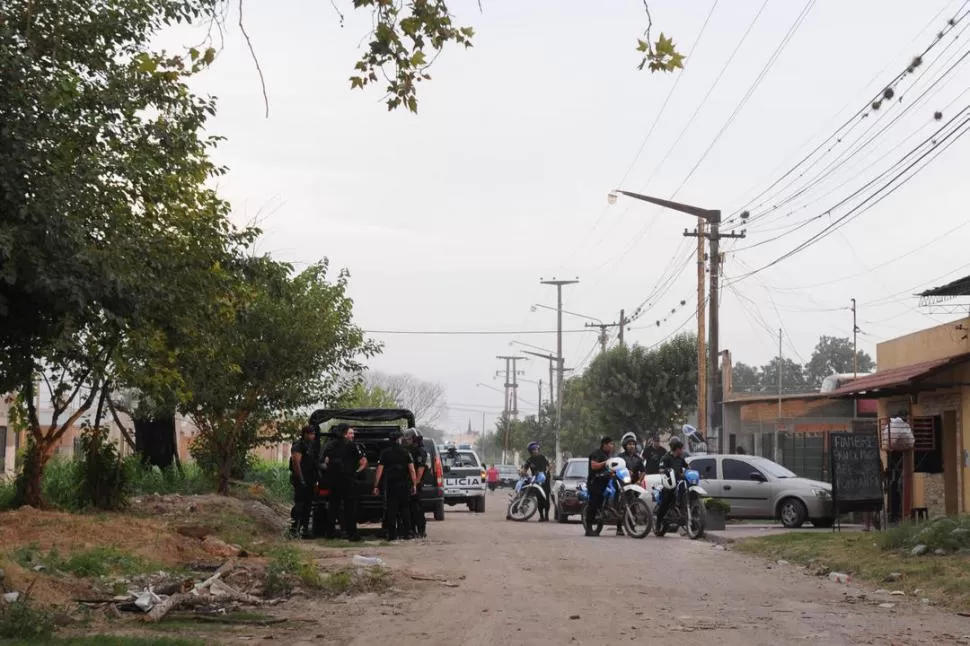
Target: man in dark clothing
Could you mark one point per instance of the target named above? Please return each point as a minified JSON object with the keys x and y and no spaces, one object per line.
{"x":596,"y":482}
{"x":396,"y":468}
{"x":651,"y":456}
{"x":419,"y":455}
{"x":303,"y":477}
{"x":634,"y":463}
{"x":536,"y":464}
{"x":342,"y":461}
{"x":674,"y":462}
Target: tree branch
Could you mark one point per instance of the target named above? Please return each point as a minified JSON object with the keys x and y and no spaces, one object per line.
{"x":252,"y":52}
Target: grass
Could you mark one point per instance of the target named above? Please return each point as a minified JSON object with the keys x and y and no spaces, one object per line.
{"x":94,"y":562}
{"x":105,"y":640}
{"x":882,"y":559}
{"x":288,"y":565}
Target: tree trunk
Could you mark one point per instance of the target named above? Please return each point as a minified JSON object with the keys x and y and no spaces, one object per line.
{"x":29,"y":484}
{"x":225,"y":473}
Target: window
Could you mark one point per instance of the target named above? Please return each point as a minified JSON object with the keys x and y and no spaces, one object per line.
{"x":772,"y":468}
{"x":705,"y":467}
{"x":577,"y":470}
{"x":459,"y":460}
{"x":928,"y":450}
{"x":737,"y":470}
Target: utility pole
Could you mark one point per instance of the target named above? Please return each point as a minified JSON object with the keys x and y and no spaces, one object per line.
{"x":603,"y":338}
{"x":701,"y":331}
{"x":855,"y":351}
{"x":511,"y":409}
{"x":539,"y":402}
{"x":713,"y":219}
{"x":484,"y":439}
{"x":780,"y":385}
{"x":559,"y":285}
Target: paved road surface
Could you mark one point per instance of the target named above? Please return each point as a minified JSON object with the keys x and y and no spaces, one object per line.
{"x":531,"y":583}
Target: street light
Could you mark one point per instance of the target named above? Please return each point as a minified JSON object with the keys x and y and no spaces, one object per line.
{"x":582,"y":316}
{"x":713,"y":219}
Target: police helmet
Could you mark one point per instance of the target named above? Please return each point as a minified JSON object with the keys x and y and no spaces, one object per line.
{"x":627,"y":439}
{"x":676,"y":443}
{"x":533,"y":446}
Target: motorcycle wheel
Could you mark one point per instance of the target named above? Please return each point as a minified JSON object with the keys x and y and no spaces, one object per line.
{"x":523,"y":507}
{"x":597,"y":524}
{"x":637,"y":519}
{"x":696,"y":519}
{"x":659,"y":529}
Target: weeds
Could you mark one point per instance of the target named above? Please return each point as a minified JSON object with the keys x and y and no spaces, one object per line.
{"x":107,"y":640}
{"x":287,"y":566}
{"x":949,"y":534}
{"x":22,"y":620}
{"x":95,"y":562}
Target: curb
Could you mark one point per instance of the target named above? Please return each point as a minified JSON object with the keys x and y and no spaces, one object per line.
{"x":718,"y":539}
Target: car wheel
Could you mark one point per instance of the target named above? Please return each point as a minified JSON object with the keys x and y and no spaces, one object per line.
{"x":823,"y":523}
{"x":792,"y":513}
{"x":439,"y":511}
{"x":561,"y":517}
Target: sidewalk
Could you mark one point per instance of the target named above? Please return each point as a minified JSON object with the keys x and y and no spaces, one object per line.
{"x":741,"y":531}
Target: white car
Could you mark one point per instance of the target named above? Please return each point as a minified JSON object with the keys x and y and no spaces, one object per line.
{"x":464,"y":477}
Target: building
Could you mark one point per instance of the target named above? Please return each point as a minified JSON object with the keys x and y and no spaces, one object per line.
{"x":924,"y":377}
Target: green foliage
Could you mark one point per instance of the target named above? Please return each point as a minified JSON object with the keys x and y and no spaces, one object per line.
{"x":364,"y":396}
{"x":274,"y":478}
{"x":290,"y":342}
{"x":60,"y":484}
{"x":717,"y":504}
{"x":104,"y":480}
{"x":147,"y":481}
{"x":639,"y":390}
{"x":26,"y":621}
{"x":661,"y":56}
{"x":288,"y":566}
{"x":108,"y":640}
{"x":948,"y":533}
{"x":94,"y":562}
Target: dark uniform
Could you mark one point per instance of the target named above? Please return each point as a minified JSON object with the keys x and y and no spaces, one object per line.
{"x":396,"y":483}
{"x":651,"y":459}
{"x":419,"y":523}
{"x":303,"y":484}
{"x":635,"y":465}
{"x":678,"y":465}
{"x":596,"y":483}
{"x":342,"y":457}
{"x":537,"y":464}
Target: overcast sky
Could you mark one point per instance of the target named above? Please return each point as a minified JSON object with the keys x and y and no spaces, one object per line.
{"x":448,"y":219}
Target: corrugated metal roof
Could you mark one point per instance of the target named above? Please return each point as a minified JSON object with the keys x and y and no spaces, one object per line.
{"x":897,"y":377}
{"x":958,"y":287}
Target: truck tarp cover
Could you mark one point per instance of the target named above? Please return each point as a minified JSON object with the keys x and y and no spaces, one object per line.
{"x":362,"y":415}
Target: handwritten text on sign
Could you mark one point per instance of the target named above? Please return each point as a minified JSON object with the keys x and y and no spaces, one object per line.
{"x":856,"y":467}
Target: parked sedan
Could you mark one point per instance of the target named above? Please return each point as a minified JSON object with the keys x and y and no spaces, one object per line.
{"x":565,"y":496}
{"x":756,"y":487}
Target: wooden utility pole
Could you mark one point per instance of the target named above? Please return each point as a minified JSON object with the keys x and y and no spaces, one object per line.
{"x":855,"y":350}
{"x":603,"y":338}
{"x":701,"y":330}
{"x":511,"y":399}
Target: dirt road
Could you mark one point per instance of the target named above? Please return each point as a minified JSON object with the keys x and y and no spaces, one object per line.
{"x":531,"y":583}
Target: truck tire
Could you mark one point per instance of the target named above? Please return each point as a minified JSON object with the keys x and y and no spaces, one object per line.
{"x":480,"y":507}
{"x":439,"y":510}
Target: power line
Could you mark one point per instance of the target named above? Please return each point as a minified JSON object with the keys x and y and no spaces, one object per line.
{"x":472,"y":332}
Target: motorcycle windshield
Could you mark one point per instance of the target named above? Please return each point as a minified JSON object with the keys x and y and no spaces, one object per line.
{"x":692,"y":477}
{"x":623,"y":474}
{"x":540,"y":478}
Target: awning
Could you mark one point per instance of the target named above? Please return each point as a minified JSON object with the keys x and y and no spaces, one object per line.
{"x":901,"y":380}
{"x":936,"y":295}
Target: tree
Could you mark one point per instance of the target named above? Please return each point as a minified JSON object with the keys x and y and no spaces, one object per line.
{"x":423,"y":398}
{"x":289,"y":342}
{"x":361,"y":396}
{"x":745,"y":378}
{"x":109,"y":230}
{"x":833,"y":355}
{"x":793,"y":377}
{"x":641,"y":391}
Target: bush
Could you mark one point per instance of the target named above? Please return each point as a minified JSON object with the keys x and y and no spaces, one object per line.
{"x":60,"y":485}
{"x":717,"y":505}
{"x":950,"y":534}
{"x":150,"y":480}
{"x":103,"y":479}
{"x":274,"y":477}
{"x":7,"y":494}
{"x":287,"y":566}
{"x":23,"y":620}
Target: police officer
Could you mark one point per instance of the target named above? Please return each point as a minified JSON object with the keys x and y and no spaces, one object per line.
{"x":419,"y":455}
{"x":652,"y":454}
{"x":343,"y":460}
{"x":396,"y":468}
{"x":634,"y":463}
{"x":675,"y":462}
{"x":303,"y":477}
{"x":536,"y":464}
{"x":596,"y":482}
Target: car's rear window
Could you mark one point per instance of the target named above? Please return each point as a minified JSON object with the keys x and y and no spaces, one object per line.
{"x":460,"y":459}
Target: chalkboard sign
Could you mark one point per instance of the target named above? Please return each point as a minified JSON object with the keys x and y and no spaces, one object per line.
{"x":856,"y":470}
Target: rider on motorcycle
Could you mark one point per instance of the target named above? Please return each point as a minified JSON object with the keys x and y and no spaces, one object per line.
{"x":634,"y":463}
{"x":672,"y":465}
{"x":536,"y":464}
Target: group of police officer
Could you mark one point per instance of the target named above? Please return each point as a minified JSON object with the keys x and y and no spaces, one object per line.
{"x":400,"y":470}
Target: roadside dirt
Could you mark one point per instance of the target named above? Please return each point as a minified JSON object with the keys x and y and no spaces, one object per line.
{"x":482,"y":580}
{"x":514,"y":583}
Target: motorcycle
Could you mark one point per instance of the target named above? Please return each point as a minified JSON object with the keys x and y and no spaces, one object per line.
{"x":622,"y":502}
{"x":688,"y":511}
{"x":524,"y":499}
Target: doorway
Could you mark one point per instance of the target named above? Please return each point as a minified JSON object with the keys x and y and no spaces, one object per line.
{"x":951,"y":463}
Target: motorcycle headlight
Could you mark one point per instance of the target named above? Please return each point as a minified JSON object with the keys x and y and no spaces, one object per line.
{"x":626,"y":479}
{"x":821,"y":493}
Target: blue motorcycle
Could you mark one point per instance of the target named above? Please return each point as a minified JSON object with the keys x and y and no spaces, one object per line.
{"x":688,"y":511}
{"x":623,"y":502}
{"x":524,"y":499}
